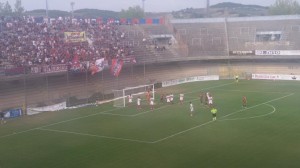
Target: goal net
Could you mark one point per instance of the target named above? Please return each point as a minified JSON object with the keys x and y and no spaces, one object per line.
{"x":121,"y":96}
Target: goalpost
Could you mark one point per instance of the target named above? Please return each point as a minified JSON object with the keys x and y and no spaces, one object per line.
{"x":120,"y":96}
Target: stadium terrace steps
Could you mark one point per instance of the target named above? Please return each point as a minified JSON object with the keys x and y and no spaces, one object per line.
{"x":155,"y":29}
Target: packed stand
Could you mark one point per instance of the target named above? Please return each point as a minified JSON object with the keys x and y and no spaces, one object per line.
{"x":24,"y":42}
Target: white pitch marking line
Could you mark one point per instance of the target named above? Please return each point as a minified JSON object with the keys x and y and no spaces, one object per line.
{"x":16,"y":133}
{"x":145,"y":112}
{"x":112,"y":114}
{"x":246,"y":118}
{"x":178,"y":133}
{"x":65,"y":121}
{"x":92,"y":135}
{"x":168,"y":137}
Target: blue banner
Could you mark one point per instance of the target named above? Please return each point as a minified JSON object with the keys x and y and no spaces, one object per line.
{"x":13,"y":113}
{"x":142,"y":21}
{"x":2,"y":71}
{"x":155,"y":21}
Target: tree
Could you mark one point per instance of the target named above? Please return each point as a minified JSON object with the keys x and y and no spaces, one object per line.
{"x":19,"y":9}
{"x":285,"y":7}
{"x":7,"y":9}
{"x":132,"y":12}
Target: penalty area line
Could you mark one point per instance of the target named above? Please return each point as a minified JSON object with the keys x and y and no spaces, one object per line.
{"x":181,"y":132}
{"x":93,"y":135}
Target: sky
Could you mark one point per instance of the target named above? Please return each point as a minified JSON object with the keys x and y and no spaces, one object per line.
{"x":118,"y":5}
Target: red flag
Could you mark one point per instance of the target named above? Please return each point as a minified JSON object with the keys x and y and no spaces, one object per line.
{"x":99,"y":20}
{"x":116,"y":67}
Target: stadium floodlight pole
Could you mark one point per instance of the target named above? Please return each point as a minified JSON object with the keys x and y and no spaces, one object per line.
{"x":47,"y":88}
{"x":227,"y":44}
{"x":47,"y":12}
{"x":144,"y":72}
{"x":25,"y":92}
{"x":143,"y":1}
{"x":86,"y":86}
{"x":102,"y":79}
{"x":72,"y":8}
{"x":207,"y":8}
{"x":68,"y":89}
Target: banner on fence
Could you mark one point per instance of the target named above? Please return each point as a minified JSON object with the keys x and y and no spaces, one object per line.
{"x":275,"y":77}
{"x":55,"y":107}
{"x":129,"y":60}
{"x":48,"y":69}
{"x":55,"y":68}
{"x":74,"y":37}
{"x":189,"y":79}
{"x":14,"y":71}
{"x":2,"y":71}
{"x":277,"y":52}
{"x":13,"y":113}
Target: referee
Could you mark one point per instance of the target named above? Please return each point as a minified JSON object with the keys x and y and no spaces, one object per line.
{"x":214,"y":113}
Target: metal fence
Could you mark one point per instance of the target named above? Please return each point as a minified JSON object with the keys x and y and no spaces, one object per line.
{"x":38,"y":90}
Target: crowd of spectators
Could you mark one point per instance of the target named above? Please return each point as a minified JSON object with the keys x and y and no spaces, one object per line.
{"x":26,"y":42}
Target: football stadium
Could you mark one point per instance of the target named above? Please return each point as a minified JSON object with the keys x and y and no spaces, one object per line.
{"x":154,"y":91}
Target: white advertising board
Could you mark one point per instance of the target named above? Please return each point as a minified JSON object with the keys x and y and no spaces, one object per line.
{"x":277,"y":52}
{"x":55,"y":107}
{"x":275,"y":77}
{"x":189,"y":79}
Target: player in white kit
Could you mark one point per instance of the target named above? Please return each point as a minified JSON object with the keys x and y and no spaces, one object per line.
{"x":181,"y":98}
{"x":152,"y":103}
{"x":191,"y":109}
{"x":138,"y":103}
{"x":172,"y":98}
{"x":130,"y":98}
{"x":210,"y":101}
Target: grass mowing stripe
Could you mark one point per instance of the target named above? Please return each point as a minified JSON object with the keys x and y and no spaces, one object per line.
{"x":181,"y":132}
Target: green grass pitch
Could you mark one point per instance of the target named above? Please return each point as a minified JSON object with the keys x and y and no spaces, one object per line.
{"x":265,"y":134}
